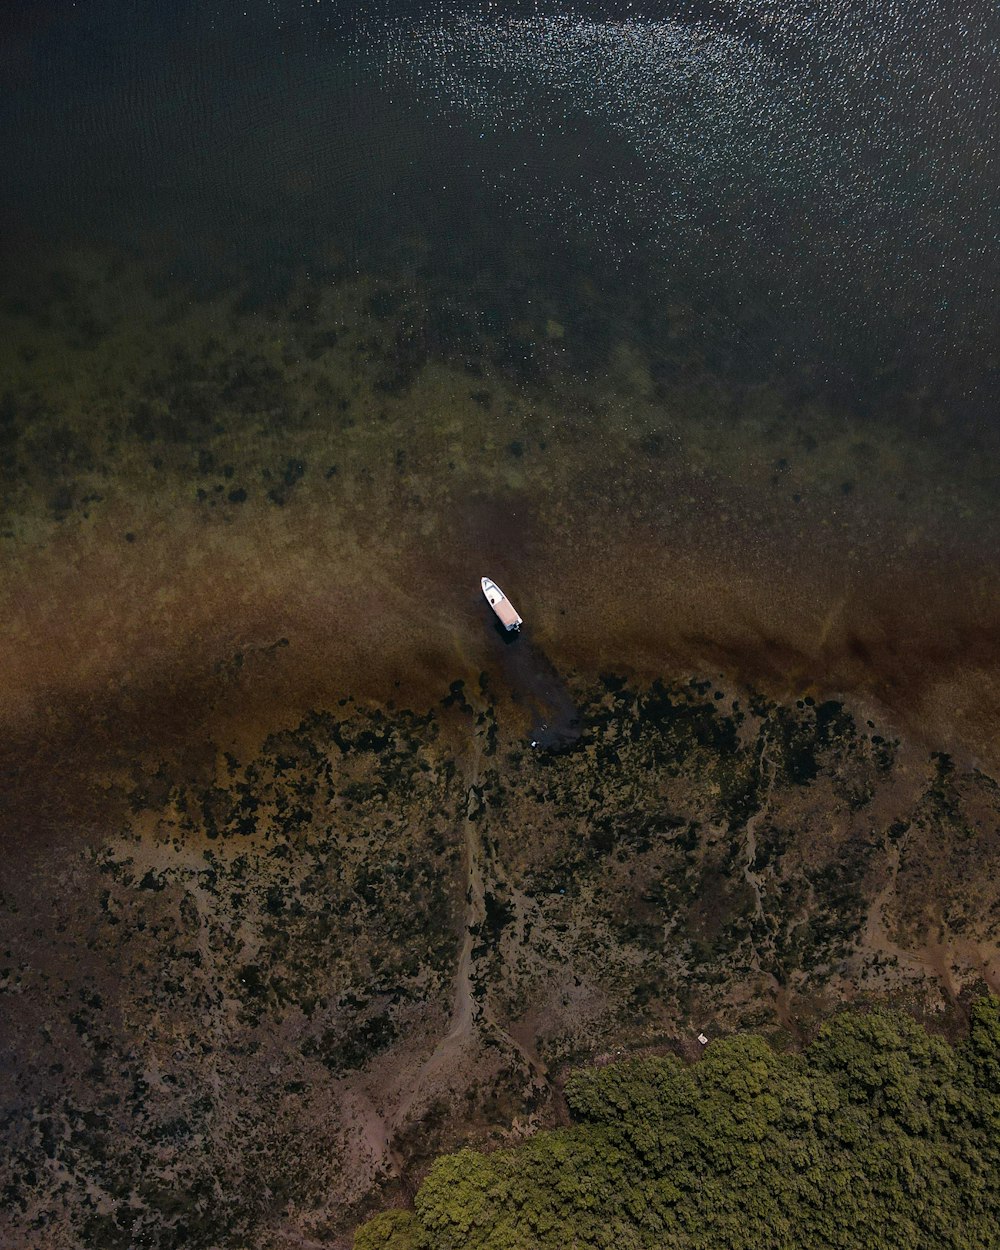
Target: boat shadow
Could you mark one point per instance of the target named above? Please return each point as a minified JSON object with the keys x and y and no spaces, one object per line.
{"x":534,"y":681}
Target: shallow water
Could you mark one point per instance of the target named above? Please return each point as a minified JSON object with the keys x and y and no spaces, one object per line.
{"x":679,"y":320}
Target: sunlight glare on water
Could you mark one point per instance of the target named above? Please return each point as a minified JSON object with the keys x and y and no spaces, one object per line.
{"x":818,"y":183}
{"x":832,"y":165}
{"x":725,"y":194}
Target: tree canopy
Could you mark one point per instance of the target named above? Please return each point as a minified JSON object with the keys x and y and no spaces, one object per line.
{"x":878,"y":1136}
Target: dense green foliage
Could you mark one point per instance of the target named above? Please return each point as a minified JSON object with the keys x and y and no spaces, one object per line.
{"x":878,"y":1136}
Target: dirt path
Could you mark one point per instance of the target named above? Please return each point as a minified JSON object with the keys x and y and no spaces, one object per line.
{"x":372,"y":1132}
{"x":447,"y":1055}
{"x":470,"y":1017}
{"x":464,"y":1006}
{"x":752,"y":878}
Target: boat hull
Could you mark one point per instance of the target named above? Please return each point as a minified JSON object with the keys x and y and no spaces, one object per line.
{"x":505,"y":611}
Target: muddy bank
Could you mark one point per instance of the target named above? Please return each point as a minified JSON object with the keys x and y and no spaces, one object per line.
{"x":216,"y":629}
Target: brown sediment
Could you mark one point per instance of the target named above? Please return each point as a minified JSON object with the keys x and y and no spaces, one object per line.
{"x":634,"y":530}
{"x":213,"y":631}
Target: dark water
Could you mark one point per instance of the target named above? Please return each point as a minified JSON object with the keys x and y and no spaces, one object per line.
{"x":786,"y":191}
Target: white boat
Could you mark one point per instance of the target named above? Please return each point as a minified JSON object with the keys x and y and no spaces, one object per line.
{"x":501,"y":605}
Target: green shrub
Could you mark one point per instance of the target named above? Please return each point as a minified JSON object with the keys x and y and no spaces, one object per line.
{"x":878,"y":1136}
{"x":391,"y":1230}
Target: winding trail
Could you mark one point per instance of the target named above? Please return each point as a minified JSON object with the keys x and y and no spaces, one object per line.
{"x":768,"y":770}
{"x":752,"y":878}
{"x":447,"y":1053}
{"x":470,"y":1017}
